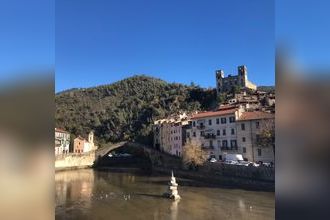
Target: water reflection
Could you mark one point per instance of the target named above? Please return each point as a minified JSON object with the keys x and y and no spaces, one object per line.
{"x":88,"y":194}
{"x":174,"y":210}
{"x":72,"y":186}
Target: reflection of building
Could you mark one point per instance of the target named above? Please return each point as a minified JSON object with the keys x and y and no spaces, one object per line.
{"x":62,"y":141}
{"x":81,"y":145}
{"x":249,"y":126}
{"x":77,"y":185}
{"x":225,"y":84}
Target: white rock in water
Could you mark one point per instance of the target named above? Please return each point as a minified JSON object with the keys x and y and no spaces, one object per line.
{"x":172,"y":190}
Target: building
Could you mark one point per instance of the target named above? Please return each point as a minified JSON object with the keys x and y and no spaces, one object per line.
{"x":81,"y":145}
{"x":225,"y":84}
{"x":249,"y":127}
{"x":169,"y":134}
{"x":216,"y":131}
{"x":62,"y":141}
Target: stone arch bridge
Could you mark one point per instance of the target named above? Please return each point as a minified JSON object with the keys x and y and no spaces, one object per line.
{"x":153,"y":156}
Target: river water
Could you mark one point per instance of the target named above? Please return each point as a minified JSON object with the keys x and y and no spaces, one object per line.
{"x":90,"y":194}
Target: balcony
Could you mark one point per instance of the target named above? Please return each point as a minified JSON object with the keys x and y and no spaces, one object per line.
{"x":229,"y":148}
{"x":209,"y":136}
{"x":208,"y":147}
{"x":200,"y":127}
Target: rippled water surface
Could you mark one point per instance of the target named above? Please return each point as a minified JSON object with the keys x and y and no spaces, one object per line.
{"x":89,"y":194}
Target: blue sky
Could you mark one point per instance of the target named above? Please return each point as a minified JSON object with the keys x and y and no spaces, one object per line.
{"x":101,"y":41}
{"x":303,"y":26}
{"x":27,"y":37}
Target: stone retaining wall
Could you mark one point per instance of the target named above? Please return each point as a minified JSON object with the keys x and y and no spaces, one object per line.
{"x":72,"y":160}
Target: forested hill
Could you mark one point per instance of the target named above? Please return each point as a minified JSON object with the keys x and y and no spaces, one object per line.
{"x":126,"y":109}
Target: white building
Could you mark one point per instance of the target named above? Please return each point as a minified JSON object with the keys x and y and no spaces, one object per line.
{"x":249,"y":126}
{"x":168,"y":134}
{"x":216,"y":131}
{"x":62,"y":141}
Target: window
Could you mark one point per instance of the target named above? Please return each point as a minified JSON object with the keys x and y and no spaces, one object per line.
{"x":211,"y":143}
{"x":233,"y":143}
{"x":257,"y":138}
{"x":244,"y":150}
{"x":223,"y":120}
{"x":218,"y":132}
{"x":231,"y":119}
{"x":188,"y":134}
{"x":224,"y":132}
{"x":194,"y":134}
{"x":232,"y":131}
{"x":257,"y":124}
{"x":194,"y":124}
{"x":259,"y":152}
{"x":243,"y":139}
{"x":202,"y":133}
{"x":210,"y":121}
{"x":243,"y":127}
{"x":217,"y":121}
{"x":224,"y":143}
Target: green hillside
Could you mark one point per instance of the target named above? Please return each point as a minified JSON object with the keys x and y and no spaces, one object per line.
{"x":125,"y":110}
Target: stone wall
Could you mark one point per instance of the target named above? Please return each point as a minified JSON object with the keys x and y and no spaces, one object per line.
{"x":72,"y":160}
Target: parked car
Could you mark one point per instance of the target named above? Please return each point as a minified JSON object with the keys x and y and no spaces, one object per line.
{"x":267,"y":164}
{"x":244,"y":163}
{"x":232,"y":162}
{"x":213,"y":160}
{"x":252,"y":164}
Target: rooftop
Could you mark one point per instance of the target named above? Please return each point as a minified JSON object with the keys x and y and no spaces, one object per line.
{"x":255,"y":115}
{"x":61,"y":130}
{"x":215,"y":113}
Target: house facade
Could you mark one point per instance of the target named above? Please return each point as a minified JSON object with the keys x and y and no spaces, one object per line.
{"x":81,"y":145}
{"x":216,"y":131}
{"x":169,"y":134}
{"x":249,"y":127}
{"x":62,"y":141}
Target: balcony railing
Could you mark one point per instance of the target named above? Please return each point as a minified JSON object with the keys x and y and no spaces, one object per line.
{"x":209,"y":136}
{"x":200,"y":127}
{"x":229,"y":148}
{"x":208,"y":147}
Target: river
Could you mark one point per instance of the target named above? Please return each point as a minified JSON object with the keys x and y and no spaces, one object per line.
{"x":91,"y":194}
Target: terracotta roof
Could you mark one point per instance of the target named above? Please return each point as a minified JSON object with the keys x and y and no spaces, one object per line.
{"x":255,"y":115}
{"x":61,"y":130}
{"x":215,"y":113}
{"x":223,"y":107}
{"x":81,"y":138}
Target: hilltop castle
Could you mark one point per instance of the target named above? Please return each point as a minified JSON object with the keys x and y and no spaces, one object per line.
{"x":225,"y":84}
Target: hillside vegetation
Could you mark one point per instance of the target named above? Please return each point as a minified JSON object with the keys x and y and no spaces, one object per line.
{"x":125,"y":110}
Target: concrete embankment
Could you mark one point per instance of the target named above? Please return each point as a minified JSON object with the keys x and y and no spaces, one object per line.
{"x":230,"y":181}
{"x":74,"y":161}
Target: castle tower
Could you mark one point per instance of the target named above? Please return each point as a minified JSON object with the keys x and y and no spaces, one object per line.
{"x":91,"y":137}
{"x":242,"y":75}
{"x":219,"y":80}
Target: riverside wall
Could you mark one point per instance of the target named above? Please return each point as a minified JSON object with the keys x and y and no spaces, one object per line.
{"x":74,"y":161}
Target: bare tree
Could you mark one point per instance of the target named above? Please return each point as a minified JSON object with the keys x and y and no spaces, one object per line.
{"x":266,"y":136}
{"x":193,"y":154}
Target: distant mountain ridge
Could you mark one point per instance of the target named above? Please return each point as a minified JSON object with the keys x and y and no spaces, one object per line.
{"x":126,"y":109}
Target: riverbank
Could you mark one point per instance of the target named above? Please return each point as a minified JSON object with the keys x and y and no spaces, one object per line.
{"x":74,"y":161}
{"x":209,"y":180}
{"x":221,"y":181}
